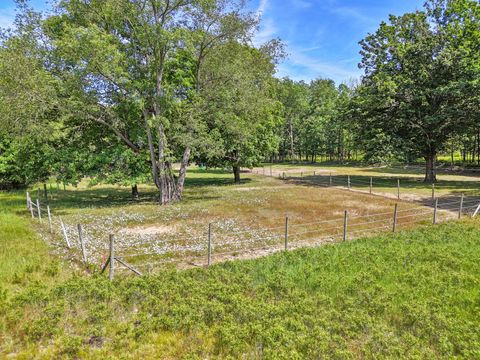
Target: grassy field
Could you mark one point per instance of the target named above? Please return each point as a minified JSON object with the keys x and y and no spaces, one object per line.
{"x":450,"y":183}
{"x":415,"y":294}
{"x":247,"y":220}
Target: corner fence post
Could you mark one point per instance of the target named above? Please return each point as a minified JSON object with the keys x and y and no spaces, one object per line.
{"x":31,"y":209}
{"x":460,"y":210}
{"x":345,"y":221}
{"x":82,"y":242}
{"x":49,"y":218}
{"x":395,"y":218}
{"x":286,"y":232}
{"x":39,"y":212}
{"x":371,"y":183}
{"x":434,"y":221}
{"x":111,"y":273}
{"x":209,"y":246}
{"x":398,"y":189}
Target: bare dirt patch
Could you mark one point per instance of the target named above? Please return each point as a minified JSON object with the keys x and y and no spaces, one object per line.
{"x":149,"y":230}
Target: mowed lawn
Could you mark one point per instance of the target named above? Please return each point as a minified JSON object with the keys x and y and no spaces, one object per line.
{"x":450,"y":182}
{"x":415,"y":294}
{"x":245,"y":219}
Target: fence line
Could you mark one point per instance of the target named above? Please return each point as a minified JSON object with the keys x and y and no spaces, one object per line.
{"x":220,"y":247}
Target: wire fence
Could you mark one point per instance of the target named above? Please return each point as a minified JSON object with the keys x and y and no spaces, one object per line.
{"x":140,"y":255}
{"x":401,"y":188}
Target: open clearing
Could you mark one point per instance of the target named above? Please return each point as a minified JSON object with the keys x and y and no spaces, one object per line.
{"x":247,"y":220}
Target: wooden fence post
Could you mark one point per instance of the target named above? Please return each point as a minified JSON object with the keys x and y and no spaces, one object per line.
{"x":209,"y":249}
{"x":28,"y":201}
{"x":345,"y":221}
{"x":283,"y":175}
{"x":64,"y":230}
{"x":82,"y":242}
{"x":271,"y":171}
{"x":39,"y":212}
{"x":301,"y":174}
{"x":348,"y":182}
{"x":434,"y":221}
{"x":45,"y":193}
{"x":433,"y":191}
{"x":314,"y":172}
{"x":398,"y":189}
{"x":111,"y":273}
{"x":371,"y":183}
{"x":460,"y":210}
{"x":286,"y":232}
{"x":395,"y":218}
{"x":49,"y":218}
{"x":330,"y":180}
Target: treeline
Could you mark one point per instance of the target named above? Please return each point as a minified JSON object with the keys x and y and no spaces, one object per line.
{"x":418,"y":97}
{"x":125,"y":92}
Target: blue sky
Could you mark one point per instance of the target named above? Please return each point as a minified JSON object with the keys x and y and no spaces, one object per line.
{"x":321,"y":35}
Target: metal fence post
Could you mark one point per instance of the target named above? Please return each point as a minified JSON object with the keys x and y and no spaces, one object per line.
{"x":65,"y":233}
{"x":460,"y":210}
{"x":82,"y":242}
{"x":111,"y":273}
{"x":209,"y":255}
{"x":433,"y":191}
{"x":286,"y":232}
{"x":31,"y":210}
{"x":49,"y":218}
{"x":395,"y":218}
{"x":39,"y":212}
{"x":345,"y":221}
{"x":434,"y":221}
{"x":371,"y":183}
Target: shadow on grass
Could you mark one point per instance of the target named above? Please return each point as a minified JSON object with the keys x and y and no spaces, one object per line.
{"x":408,"y":186}
{"x":114,"y":196}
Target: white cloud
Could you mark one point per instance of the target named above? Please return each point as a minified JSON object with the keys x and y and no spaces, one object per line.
{"x":300,"y":66}
{"x":262,"y":6}
{"x":7,"y":17}
{"x":301,"y":4}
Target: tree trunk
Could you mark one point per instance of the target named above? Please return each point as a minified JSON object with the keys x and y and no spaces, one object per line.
{"x":430,"y":169}
{"x":135,"y":192}
{"x":182,"y":174}
{"x":236,"y":174}
{"x":290,"y":135}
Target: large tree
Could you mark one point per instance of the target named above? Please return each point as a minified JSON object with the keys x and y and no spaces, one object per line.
{"x":421,"y":76}
{"x":241,"y":110}
{"x":144,"y":57}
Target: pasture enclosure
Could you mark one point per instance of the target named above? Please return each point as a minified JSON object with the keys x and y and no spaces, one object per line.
{"x":262,"y":216}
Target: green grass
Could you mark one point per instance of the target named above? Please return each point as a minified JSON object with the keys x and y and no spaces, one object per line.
{"x":385,"y":178}
{"x":412,"y":295}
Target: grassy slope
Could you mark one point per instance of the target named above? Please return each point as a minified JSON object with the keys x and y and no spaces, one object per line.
{"x":415,"y":294}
